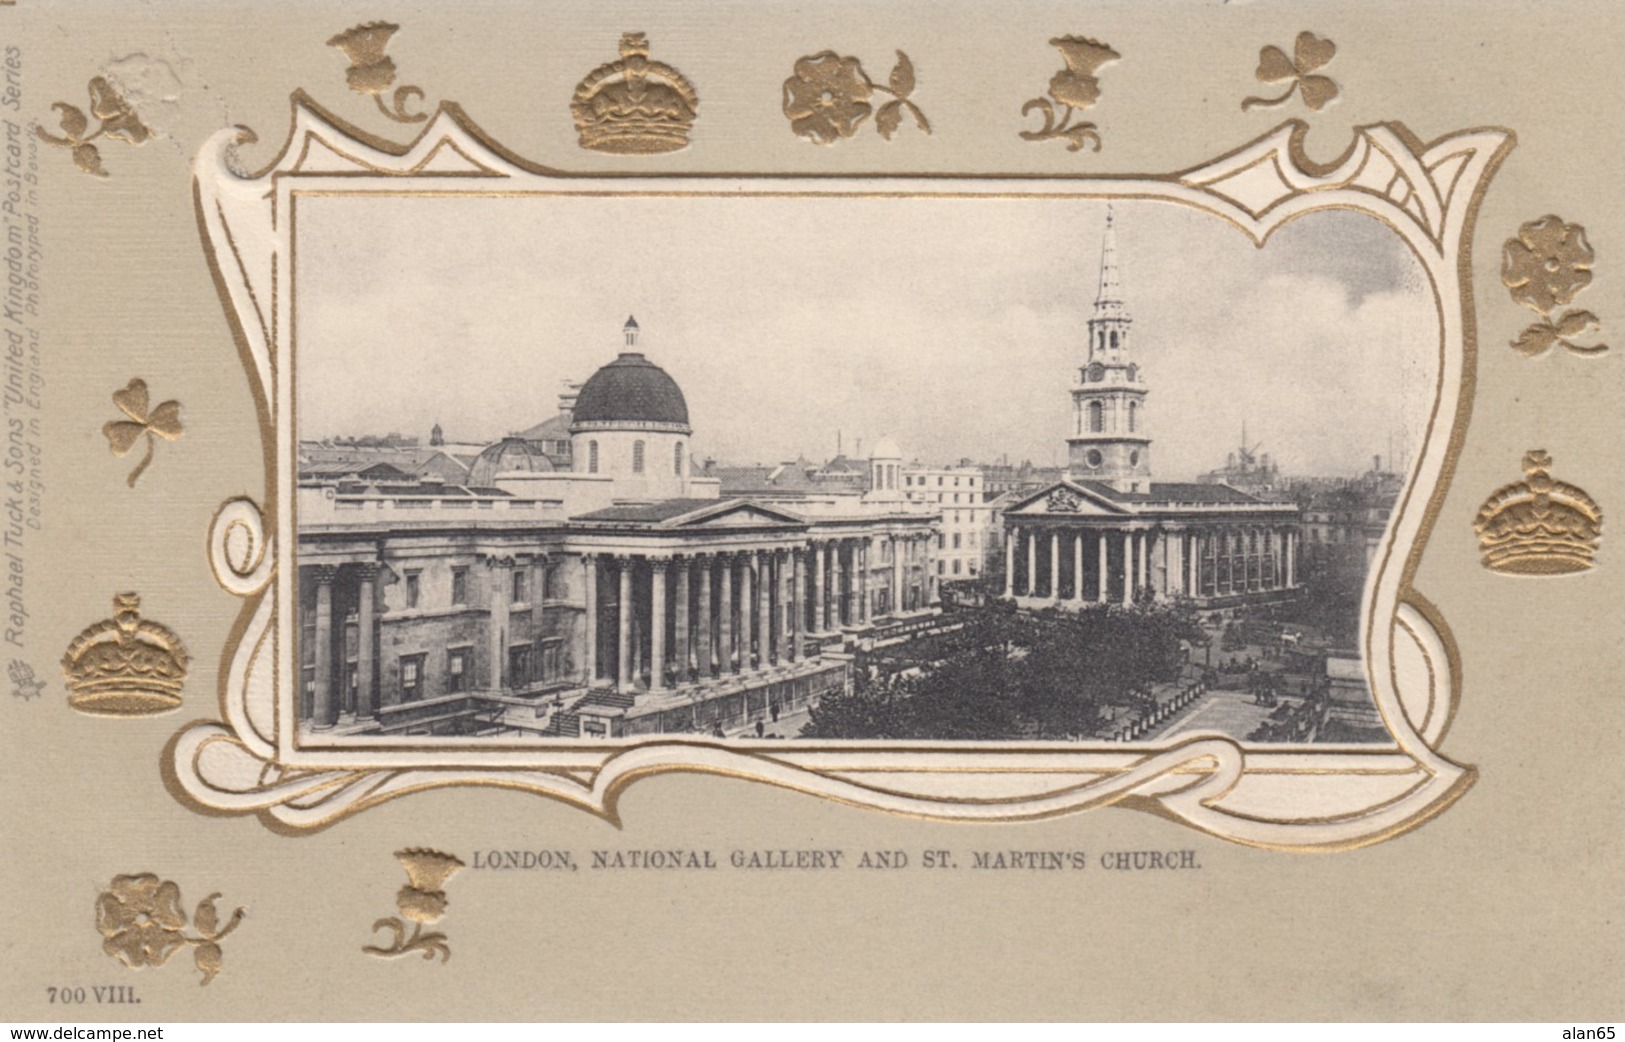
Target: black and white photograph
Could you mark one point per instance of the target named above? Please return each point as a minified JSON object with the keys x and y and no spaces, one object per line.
{"x":832,"y":470}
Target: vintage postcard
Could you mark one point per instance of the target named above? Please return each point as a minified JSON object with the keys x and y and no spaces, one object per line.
{"x":773,"y":512}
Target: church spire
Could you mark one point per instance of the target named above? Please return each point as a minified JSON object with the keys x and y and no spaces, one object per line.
{"x":1109,"y":301}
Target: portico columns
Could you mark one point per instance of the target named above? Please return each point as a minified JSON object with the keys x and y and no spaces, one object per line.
{"x":1143,"y":579}
{"x":1104,"y":570}
{"x":680,"y":621}
{"x":589,"y":621}
{"x":1291,"y":558}
{"x":897,"y":574}
{"x":819,"y":622}
{"x":1032,"y":564}
{"x":725,"y":613}
{"x":1193,"y":546}
{"x":758,"y":603}
{"x":752,"y":583}
{"x":1077,"y":565}
{"x":863,"y":582}
{"x":1054,"y":565}
{"x":1128,"y":568}
{"x":657,"y":625}
{"x":1010,"y":562}
{"x":706,"y":620}
{"x":798,"y":603}
{"x":366,"y":655}
{"x":781,"y":604}
{"x":623,"y":628}
{"x":324,"y":710}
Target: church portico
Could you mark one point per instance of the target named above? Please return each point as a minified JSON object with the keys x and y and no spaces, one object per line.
{"x":1107,"y":533}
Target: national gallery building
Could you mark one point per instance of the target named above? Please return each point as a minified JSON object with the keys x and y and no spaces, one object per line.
{"x":1108,"y":534}
{"x":617,"y":594}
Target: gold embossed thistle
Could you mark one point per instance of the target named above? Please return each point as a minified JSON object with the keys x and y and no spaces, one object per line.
{"x":142,"y":924}
{"x":372,"y":71}
{"x":1310,"y":54}
{"x":1544,"y":267}
{"x":115,"y":119}
{"x":1074,"y":89}
{"x":827,"y":98}
{"x":422,"y":901}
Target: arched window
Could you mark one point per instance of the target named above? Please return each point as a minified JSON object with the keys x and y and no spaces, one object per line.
{"x":1097,"y":418}
{"x":677,"y":459}
{"x":637,"y":457}
{"x":1133,"y":417}
{"x":1114,"y":340}
{"x":592,"y":457}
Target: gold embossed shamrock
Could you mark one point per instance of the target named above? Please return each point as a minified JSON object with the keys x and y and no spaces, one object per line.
{"x":164,"y":421}
{"x":1310,"y":54}
{"x":1545,"y":267}
{"x":142,"y":924}
{"x":115,"y":119}
{"x":1074,"y":88}
{"x":828,"y":96}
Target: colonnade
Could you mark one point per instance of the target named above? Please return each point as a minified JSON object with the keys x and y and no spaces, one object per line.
{"x":1122,"y":563}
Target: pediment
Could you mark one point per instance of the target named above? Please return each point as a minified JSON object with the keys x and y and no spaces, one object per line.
{"x":1067,"y":499}
{"x":736,"y":514}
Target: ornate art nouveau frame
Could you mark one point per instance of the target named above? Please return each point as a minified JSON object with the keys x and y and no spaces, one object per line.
{"x":1295,"y":798}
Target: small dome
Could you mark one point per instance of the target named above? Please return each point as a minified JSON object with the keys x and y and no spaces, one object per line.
{"x":885,"y":448}
{"x":630,"y":391}
{"x":506,"y":457}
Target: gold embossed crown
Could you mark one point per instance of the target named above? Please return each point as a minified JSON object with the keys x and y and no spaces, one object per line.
{"x":1539,"y":526}
{"x":125,"y":666}
{"x":634,"y":106}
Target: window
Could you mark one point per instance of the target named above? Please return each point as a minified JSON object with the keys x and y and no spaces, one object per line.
{"x":521,"y":584}
{"x":956,"y":566}
{"x":637,"y":457}
{"x":677,"y":459}
{"x":939,"y":480}
{"x":411,"y":678}
{"x":956,"y":540}
{"x":550,"y":582}
{"x":457,"y":663}
{"x":1097,"y":417}
{"x":519,"y":665}
{"x":1133,"y":417}
{"x":459,"y":586}
{"x":552,"y":660}
{"x":413,"y":588}
{"x":940,"y":539}
{"x":592,"y":457}
{"x":939,"y":566}
{"x":1114,"y":340}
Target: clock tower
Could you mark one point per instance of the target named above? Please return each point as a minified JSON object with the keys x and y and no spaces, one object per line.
{"x":1108,"y":441}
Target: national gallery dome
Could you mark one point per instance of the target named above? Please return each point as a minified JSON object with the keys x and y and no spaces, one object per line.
{"x":632,"y":392}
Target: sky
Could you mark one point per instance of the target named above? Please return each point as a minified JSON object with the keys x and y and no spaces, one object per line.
{"x":952,"y":326}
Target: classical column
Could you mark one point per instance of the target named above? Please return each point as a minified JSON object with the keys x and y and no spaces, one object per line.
{"x":657,"y":625}
{"x":501,"y":592}
{"x":798,"y":603}
{"x":897,"y":576}
{"x":1143,"y":577}
{"x":1128,"y":568}
{"x":366,"y":653}
{"x":1055,"y":564}
{"x":680,"y":621}
{"x":750,"y":585}
{"x":1193,"y":548}
{"x":820,"y":622}
{"x":781,"y":605}
{"x":1291,"y":558}
{"x":1010,"y":561}
{"x":725,"y":620}
{"x":1103,"y":568}
{"x":837,"y":590}
{"x":705,"y":620}
{"x":851,"y":597}
{"x":623,"y":628}
{"x":863,"y":582}
{"x":763,"y":607}
{"x":1077,"y":565}
{"x":325,"y":711}
{"x":1032,"y":563}
{"x":589,"y":621}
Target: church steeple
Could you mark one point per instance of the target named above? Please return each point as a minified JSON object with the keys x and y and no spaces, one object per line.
{"x":1108,"y":442}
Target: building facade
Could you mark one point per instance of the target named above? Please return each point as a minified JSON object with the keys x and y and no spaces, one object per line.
{"x":1107,"y":532}
{"x":626,"y":595}
{"x":967,"y":529}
